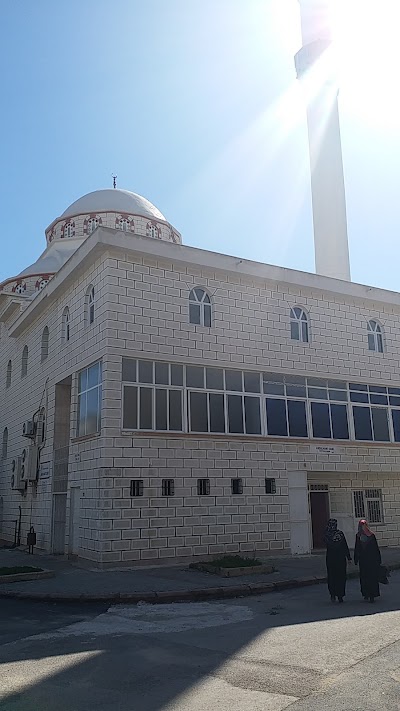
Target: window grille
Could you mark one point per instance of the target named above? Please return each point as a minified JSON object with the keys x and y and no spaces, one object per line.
{"x":237,"y":486}
{"x":136,"y":488}
{"x":168,"y":487}
{"x":270,"y":486}
{"x":203,"y":487}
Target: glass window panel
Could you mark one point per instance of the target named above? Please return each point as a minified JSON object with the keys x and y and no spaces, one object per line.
{"x":217,"y":413}
{"x":395,"y":401}
{"x":215,"y":378}
{"x":235,"y":414}
{"x":371,"y":342}
{"x":99,"y":391}
{"x":274,"y":388}
{"x":394,"y":391}
{"x":297,"y":418}
{"x":199,"y":292}
{"x":295,"y":390}
{"x":130,"y":408}
{"x":321,"y":420}
{"x":198,"y":412}
{"x":359,"y":387}
{"x":295,"y":330}
{"x":93,"y":375}
{"x":316,"y":382}
{"x":161,"y":409}
{"x":380,"y":424}
{"x":340,"y":425}
{"x":129,"y":370}
{"x":359,"y":397}
{"x":276,"y":417}
{"x":396,"y":424}
{"x":162,"y":373}
{"x":379,"y":342}
{"x":92,"y":410}
{"x":145,"y":371}
{"x":176,"y":374}
{"x":362,"y":423}
{"x":295,"y":379}
{"x":233,"y":380}
{"x":338,"y":395}
{"x":273,"y":377}
{"x":82,"y":415}
{"x":82,"y":385}
{"x":337,"y":385}
{"x":318,"y":393}
{"x":146,"y":409}
{"x":377,"y":389}
{"x":252,"y":415}
{"x":206,"y":299}
{"x":304,"y":331}
{"x":175,"y":410}
{"x":194,"y":313}
{"x":378,"y":399}
{"x":207,"y":315}
{"x":252,"y":382}
{"x":194,"y":376}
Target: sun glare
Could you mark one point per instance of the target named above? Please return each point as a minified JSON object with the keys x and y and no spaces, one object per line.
{"x":366,"y":36}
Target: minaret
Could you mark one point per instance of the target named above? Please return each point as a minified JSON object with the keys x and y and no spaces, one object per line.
{"x":315,"y":67}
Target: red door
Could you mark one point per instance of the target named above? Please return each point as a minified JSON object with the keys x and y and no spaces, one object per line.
{"x":319,"y":502}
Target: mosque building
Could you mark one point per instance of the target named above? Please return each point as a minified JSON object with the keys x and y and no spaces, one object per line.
{"x":161,"y":403}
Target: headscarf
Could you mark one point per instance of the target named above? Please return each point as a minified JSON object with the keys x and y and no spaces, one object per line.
{"x":364,"y":532}
{"x":332,"y":534}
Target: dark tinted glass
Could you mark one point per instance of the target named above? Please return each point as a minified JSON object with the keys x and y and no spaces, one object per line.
{"x":252,"y":382}
{"x":194,"y":313}
{"x":129,"y":370}
{"x":146,"y":409}
{"x":320,"y":419}
{"x":198,"y":412}
{"x":276,"y":417}
{"x":340,"y":425}
{"x":161,"y":409}
{"x":252,"y":415}
{"x":215,"y":378}
{"x":380,"y":424}
{"x":145,"y":371}
{"x":130,"y":408}
{"x":396,"y":424}
{"x":297,"y":418}
{"x":194,"y":376}
{"x":217,"y":419}
{"x":235,"y":415}
{"x":359,"y":397}
{"x":175,"y":410}
{"x":176,"y":375}
{"x":362,"y":423}
{"x":233,"y":379}
{"x":162,"y":373}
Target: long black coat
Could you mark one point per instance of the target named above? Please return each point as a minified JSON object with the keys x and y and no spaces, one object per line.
{"x":337,"y":555}
{"x":368,"y":556}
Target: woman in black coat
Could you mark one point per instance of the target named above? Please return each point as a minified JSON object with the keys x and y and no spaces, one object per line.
{"x":368,"y":556}
{"x":337,"y":555}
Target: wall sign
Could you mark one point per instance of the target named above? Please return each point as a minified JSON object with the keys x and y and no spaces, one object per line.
{"x":44,"y":470}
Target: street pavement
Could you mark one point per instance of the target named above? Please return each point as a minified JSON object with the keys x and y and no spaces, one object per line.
{"x":289,"y":650}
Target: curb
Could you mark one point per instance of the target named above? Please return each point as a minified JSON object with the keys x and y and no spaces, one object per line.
{"x":168,"y":596}
{"x":25,"y":577}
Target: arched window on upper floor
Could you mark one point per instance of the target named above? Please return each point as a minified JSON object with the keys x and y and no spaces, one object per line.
{"x":69,"y":230}
{"x":199,"y":307}
{"x":123,"y":224}
{"x":375,"y":336}
{"x":9,"y":374}
{"x":92,"y":224}
{"x":65,"y":325}
{"x":45,"y":344}
{"x":24,"y":362}
{"x":299,"y":329}
{"x":4,"y":448}
{"x":90,"y":305}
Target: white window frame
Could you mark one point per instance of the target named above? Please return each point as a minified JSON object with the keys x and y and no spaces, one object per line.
{"x":375,"y":336}
{"x":204,"y":304}
{"x":367,"y":496}
{"x":124,"y":224}
{"x":300,"y":319}
{"x":92,"y":224}
{"x":82,"y":393}
{"x":24,"y":362}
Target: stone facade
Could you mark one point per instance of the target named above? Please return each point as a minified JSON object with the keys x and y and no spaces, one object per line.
{"x":142,"y":290}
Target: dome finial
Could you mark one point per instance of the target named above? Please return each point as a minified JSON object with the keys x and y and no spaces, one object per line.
{"x":114,"y":177}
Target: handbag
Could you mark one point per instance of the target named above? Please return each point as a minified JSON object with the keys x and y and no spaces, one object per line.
{"x":383,"y":575}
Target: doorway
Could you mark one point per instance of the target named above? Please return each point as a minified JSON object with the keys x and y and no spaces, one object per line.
{"x":319,"y":508}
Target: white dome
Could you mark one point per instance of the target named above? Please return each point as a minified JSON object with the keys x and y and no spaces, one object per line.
{"x":113,"y":200}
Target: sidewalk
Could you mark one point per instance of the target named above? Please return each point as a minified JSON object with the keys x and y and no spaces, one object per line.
{"x":163,"y":584}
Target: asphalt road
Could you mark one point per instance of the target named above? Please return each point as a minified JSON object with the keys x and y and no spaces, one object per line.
{"x":285,"y":650}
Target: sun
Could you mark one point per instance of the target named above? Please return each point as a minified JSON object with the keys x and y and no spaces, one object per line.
{"x":366,"y":38}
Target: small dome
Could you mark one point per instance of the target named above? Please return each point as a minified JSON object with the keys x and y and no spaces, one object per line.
{"x":113,"y":200}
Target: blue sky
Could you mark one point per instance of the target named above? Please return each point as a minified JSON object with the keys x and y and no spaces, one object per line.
{"x":193,"y":104}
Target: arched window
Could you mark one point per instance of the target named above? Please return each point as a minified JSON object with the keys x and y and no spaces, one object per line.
{"x":92,"y":224}
{"x":199,"y":307}
{"x":375,"y":336}
{"x":4,"y":448}
{"x":90,"y":303}
{"x":24,"y":362}
{"x":9,"y":374}
{"x":299,"y":330}
{"x":65,"y":325}
{"x":69,"y":230}
{"x":123,"y":224}
{"x":45,"y":344}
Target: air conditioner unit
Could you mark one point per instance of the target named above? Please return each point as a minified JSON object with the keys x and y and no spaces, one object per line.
{"x":28,"y":429}
{"x":31,"y":463}
{"x":17,"y":480}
